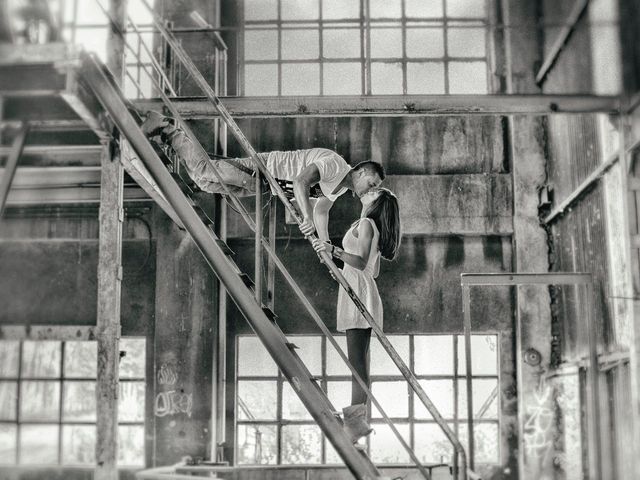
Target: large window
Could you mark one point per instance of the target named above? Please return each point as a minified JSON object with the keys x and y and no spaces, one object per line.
{"x":355,"y":47}
{"x":48,"y":402}
{"x":85,"y":24}
{"x":273,"y":427}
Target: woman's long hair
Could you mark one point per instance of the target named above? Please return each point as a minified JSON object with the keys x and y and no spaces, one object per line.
{"x":385,"y":213}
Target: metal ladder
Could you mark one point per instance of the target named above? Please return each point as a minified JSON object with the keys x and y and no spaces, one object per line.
{"x":239,"y":285}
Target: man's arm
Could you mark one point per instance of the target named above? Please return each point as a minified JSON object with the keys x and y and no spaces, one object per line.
{"x":321,"y":217}
{"x":301,"y":185}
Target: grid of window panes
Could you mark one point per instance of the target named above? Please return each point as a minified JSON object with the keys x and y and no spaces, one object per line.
{"x":332,"y":47}
{"x":48,"y":402}
{"x":85,"y":24}
{"x":273,"y":427}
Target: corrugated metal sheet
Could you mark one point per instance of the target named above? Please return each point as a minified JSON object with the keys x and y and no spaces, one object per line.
{"x":579,"y":238}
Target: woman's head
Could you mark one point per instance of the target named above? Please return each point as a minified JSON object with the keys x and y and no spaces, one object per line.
{"x":381,"y":206}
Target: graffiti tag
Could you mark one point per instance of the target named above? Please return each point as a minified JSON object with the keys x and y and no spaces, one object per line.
{"x":173,"y":403}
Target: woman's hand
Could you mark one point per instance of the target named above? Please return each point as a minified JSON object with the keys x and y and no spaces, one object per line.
{"x":319,"y":246}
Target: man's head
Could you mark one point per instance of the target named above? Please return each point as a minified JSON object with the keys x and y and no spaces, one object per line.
{"x":366,"y":176}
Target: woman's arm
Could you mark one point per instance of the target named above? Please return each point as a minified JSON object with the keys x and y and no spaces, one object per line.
{"x":357,"y":260}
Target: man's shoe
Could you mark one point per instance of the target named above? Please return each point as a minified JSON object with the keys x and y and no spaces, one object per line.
{"x":154,"y":124}
{"x":355,"y":422}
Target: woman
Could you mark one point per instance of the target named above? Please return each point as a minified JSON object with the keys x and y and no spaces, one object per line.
{"x":376,"y":234}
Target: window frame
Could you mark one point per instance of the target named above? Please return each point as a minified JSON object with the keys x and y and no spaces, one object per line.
{"x":62,"y":380}
{"x":410,"y":420}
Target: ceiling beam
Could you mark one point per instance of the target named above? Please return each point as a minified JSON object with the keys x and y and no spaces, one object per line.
{"x":392,"y":105}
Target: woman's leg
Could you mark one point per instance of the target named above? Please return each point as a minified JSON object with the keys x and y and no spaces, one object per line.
{"x":358,"y":340}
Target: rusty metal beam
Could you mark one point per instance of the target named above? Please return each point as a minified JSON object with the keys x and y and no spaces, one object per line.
{"x":392,"y":105}
{"x":578,"y":9}
{"x":11,"y":165}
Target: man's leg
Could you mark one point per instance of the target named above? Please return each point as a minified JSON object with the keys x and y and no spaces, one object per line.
{"x":197,"y":162}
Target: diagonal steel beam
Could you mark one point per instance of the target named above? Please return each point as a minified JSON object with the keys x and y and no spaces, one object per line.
{"x":11,"y":165}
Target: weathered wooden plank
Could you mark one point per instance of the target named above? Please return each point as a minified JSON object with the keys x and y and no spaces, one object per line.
{"x":454,"y":204}
{"x":47,"y":332}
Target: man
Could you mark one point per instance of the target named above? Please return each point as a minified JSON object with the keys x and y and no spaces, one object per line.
{"x":299,"y":170}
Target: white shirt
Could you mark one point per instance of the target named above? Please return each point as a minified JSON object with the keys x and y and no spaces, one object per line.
{"x":332,"y":167}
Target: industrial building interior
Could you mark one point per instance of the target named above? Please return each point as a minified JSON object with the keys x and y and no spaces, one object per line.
{"x":152,"y":330}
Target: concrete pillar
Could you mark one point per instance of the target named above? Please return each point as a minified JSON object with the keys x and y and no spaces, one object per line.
{"x":186,"y":312}
{"x":530,"y":248}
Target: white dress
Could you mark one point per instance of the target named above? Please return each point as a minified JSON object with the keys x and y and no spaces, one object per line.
{"x":362,"y":282}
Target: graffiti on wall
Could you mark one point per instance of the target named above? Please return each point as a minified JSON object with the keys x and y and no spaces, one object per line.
{"x":171,"y":402}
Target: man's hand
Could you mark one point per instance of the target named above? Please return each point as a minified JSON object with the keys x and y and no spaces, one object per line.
{"x":307,"y":227}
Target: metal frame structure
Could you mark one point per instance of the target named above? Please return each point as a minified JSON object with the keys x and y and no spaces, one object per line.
{"x":585,"y":280}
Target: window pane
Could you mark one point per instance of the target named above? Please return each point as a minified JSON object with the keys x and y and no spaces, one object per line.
{"x":467,"y":77}
{"x":309,"y":350}
{"x":38,"y":444}
{"x":79,"y":402}
{"x":339,"y":394}
{"x":340,"y":9}
{"x":8,"y":439}
{"x":386,"y":78}
{"x":253,"y":358}
{"x":93,"y":40}
{"x":425,"y":78}
{"x":89,"y":14}
{"x":130,"y":88}
{"x":78,"y":444}
{"x":433,"y":354}
{"x":393,"y":397}
{"x":385,"y":446}
{"x":386,"y":43}
{"x":260,"y":45}
{"x":385,"y":8}
{"x":8,"y":399}
{"x":299,"y":9}
{"x":425,"y":43}
{"x":261,"y":80}
{"x":257,"y":445}
{"x":342,"y":79}
{"x":335,"y":365}
{"x":139,"y":13}
{"x":422,"y":9}
{"x":301,"y":79}
{"x":132,"y":365}
{"x":39,"y":400}
{"x":484,"y":355}
{"x":80,"y":359}
{"x":431,"y":444}
{"x":341,"y":43}
{"x":300,"y":44}
{"x":301,"y":444}
{"x":441,"y":394}
{"x":466,"y":8}
{"x":485,"y":398}
{"x":292,"y":407}
{"x":466,"y":42}
{"x":260,"y":10}
{"x":130,"y":445}
{"x":486,"y":441}
{"x":9,"y":352}
{"x":257,"y":400}
{"x":381,"y":363}
{"x":40,"y":359}
{"x":131,"y":402}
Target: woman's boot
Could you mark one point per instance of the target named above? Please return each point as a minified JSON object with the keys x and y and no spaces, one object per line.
{"x":355,"y":421}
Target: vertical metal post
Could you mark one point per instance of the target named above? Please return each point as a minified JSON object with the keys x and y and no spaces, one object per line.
{"x":594,"y":385}
{"x":456,"y":413}
{"x":12,"y":164}
{"x":466,"y":305}
{"x":258,"y":240}
{"x":271,"y":268}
